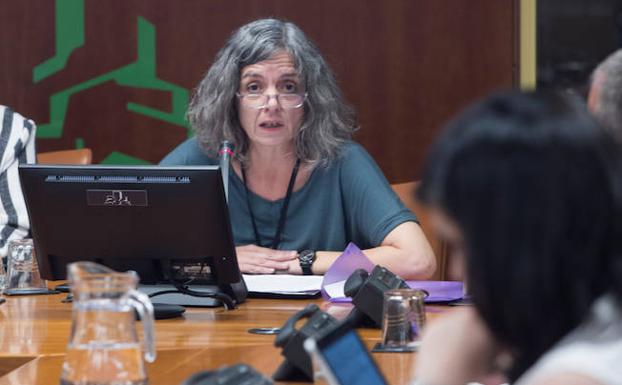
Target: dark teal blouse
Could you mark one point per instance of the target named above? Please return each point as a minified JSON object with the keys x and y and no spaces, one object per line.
{"x":350,"y":200}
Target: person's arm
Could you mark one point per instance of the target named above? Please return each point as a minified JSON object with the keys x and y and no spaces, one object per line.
{"x":405,"y":251}
{"x":377,"y":219}
{"x":17,"y":146}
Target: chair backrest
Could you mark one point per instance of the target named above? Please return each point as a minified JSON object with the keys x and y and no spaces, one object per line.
{"x":75,"y":156}
{"x":406,"y":192}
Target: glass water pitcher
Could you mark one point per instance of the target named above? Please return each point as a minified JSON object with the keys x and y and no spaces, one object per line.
{"x":104,"y":348}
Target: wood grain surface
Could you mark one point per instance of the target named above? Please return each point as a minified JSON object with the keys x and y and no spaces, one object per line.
{"x":34,"y":331}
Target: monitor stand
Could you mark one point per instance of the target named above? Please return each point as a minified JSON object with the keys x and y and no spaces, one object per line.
{"x":160,"y":310}
{"x":204,"y":295}
{"x":174,"y":297}
{"x":237,"y":291}
{"x":166,"y":311}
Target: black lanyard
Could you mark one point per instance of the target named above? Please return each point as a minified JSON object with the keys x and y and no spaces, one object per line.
{"x":283,"y":215}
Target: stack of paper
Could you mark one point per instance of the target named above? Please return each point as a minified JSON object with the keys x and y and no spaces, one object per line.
{"x":284,"y":284}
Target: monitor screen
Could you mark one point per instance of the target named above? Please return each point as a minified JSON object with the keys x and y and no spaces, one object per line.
{"x":150,"y":219}
{"x":349,"y":360}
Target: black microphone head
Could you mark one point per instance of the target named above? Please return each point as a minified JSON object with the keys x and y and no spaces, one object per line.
{"x":354,"y":282}
{"x":289,"y":328}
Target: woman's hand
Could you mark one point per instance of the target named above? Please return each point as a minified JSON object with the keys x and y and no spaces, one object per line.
{"x":456,"y":349}
{"x":254,"y":259}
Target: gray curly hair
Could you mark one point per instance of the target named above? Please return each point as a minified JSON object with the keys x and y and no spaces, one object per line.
{"x":608,"y":110}
{"x":213,"y":112}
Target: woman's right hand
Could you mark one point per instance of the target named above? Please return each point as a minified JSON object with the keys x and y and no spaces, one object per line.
{"x":254,"y":259}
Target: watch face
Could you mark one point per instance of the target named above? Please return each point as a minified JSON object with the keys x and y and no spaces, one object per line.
{"x":307,"y":257}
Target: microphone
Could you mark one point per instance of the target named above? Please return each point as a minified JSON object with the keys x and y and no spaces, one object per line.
{"x":225,"y":151}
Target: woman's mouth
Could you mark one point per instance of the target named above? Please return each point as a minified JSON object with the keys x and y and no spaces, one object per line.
{"x":271,"y":124}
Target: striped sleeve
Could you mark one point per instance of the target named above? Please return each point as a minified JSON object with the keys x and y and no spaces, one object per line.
{"x":17,"y":145}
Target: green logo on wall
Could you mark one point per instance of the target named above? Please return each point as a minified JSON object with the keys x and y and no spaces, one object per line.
{"x":139,"y":74}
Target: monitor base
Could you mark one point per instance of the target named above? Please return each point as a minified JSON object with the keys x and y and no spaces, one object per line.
{"x":206,"y":295}
{"x":166,"y":311}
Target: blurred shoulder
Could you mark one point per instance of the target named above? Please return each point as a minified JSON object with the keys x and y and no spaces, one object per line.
{"x":188,"y":152}
{"x":353,"y":152}
{"x":567,"y":379}
{"x":354,"y":163}
{"x":9,"y":117}
{"x":590,"y":354}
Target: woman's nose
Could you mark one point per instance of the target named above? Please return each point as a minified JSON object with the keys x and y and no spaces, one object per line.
{"x":273,"y":101}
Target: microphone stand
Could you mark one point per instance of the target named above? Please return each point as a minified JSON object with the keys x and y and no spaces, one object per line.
{"x":224,"y":154}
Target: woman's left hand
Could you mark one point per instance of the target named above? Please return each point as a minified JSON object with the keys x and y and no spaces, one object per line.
{"x":254,"y":259}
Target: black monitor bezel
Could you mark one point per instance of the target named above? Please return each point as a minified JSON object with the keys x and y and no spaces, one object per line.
{"x":152,"y":268}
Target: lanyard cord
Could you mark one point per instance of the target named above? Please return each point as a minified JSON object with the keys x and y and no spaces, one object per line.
{"x":282,"y":216}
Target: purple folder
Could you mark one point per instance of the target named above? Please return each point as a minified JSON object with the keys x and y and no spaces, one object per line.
{"x":353,"y":258}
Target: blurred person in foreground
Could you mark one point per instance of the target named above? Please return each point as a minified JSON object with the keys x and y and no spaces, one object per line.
{"x":299,"y":189}
{"x":525,"y":187}
{"x":17,"y":146}
{"x":605,"y":96}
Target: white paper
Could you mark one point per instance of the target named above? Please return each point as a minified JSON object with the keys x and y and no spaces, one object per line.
{"x":283,"y":283}
{"x":336,"y":290}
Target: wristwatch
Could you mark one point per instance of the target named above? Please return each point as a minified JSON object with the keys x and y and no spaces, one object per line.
{"x":306,"y":259}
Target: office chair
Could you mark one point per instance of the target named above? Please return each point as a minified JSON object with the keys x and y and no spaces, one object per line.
{"x":406,"y":193}
{"x":75,"y":156}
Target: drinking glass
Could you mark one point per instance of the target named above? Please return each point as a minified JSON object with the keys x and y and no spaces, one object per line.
{"x":2,"y":275}
{"x":22,"y":275}
{"x":403,"y":318}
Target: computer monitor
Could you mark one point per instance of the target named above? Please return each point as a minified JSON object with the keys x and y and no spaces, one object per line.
{"x":162,"y":222}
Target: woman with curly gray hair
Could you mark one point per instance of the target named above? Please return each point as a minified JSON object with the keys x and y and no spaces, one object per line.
{"x":299,"y":188}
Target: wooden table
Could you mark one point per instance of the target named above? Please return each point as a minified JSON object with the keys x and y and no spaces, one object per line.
{"x":34,"y":331}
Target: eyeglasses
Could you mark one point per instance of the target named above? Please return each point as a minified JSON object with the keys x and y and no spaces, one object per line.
{"x":259,"y":101}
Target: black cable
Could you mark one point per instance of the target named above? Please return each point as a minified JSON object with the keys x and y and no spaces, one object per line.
{"x":226,"y":299}
{"x":181,"y":287}
{"x":162,"y":292}
{"x":282,"y":216}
